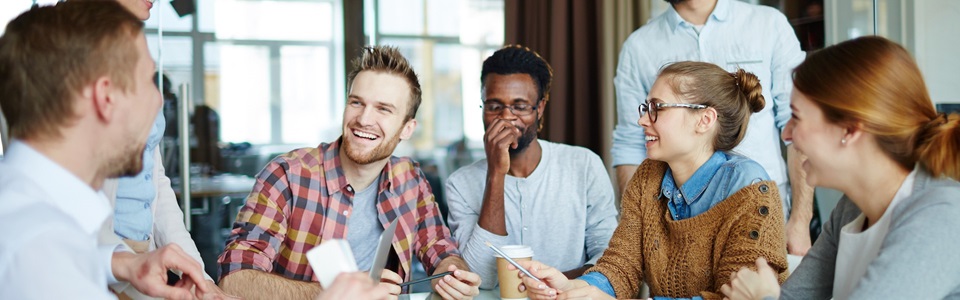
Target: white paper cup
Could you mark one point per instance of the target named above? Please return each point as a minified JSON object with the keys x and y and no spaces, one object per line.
{"x":509,"y":279}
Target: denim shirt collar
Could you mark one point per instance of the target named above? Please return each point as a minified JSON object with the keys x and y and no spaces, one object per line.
{"x":694,"y":187}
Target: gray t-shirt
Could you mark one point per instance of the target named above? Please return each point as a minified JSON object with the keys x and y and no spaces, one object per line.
{"x":363,"y":226}
{"x":564,"y":211}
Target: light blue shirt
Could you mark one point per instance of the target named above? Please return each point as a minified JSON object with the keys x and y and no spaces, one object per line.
{"x":133,"y":218}
{"x":756,"y":38}
{"x":721,"y":176}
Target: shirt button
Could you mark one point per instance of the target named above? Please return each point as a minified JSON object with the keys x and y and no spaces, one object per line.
{"x":146,"y":205}
{"x":764,"y":210}
{"x":754,"y":234}
{"x":147,"y":177}
{"x":764,"y":189}
{"x":524,"y":228}
{"x":349,"y":188}
{"x":346,"y":213}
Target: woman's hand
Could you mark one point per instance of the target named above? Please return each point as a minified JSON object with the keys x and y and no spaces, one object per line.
{"x":749,"y":285}
{"x":552,"y":283}
{"x":588,"y":292}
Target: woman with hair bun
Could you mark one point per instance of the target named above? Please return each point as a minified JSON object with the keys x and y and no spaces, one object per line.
{"x":694,"y":212}
{"x":863,"y":117}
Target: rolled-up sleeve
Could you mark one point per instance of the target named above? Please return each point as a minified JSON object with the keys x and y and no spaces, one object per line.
{"x":786,"y":56}
{"x":260,"y":226}
{"x":628,"y":144}
{"x":434,"y":240}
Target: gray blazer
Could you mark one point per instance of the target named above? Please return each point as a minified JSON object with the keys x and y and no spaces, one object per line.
{"x":919,"y":258}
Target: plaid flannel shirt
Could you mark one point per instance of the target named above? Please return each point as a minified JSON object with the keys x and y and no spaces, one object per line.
{"x":302,"y":198}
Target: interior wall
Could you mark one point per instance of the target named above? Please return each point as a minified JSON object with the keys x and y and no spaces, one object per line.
{"x":927,"y":28}
{"x":935,"y":46}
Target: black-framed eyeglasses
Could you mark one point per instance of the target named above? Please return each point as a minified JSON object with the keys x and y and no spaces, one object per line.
{"x":521,"y":109}
{"x":653,"y":108}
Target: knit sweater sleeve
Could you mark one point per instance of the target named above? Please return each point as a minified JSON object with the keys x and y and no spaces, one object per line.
{"x":622,"y":262}
{"x":754,"y":229}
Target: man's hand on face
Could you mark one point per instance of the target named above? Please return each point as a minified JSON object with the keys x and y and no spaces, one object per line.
{"x":501,"y":136}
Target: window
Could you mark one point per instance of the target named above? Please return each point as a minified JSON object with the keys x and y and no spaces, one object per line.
{"x":270,"y":68}
{"x":446,"y":41}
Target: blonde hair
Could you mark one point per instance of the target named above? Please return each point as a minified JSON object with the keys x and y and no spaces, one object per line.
{"x":388,"y":59}
{"x":875,"y":82}
{"x":735,"y":96}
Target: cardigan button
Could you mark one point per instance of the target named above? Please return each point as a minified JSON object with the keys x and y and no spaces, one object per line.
{"x":764,"y":189}
{"x":754,"y":234}
{"x":764,"y":210}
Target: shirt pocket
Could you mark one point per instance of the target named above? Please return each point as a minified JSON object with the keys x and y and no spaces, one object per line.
{"x":751,"y":61}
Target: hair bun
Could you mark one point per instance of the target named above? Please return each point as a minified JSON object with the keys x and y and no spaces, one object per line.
{"x":749,"y":86}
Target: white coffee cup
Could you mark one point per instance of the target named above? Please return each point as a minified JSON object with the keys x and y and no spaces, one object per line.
{"x":509,"y":279}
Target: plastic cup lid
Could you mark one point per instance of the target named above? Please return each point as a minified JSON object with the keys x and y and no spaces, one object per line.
{"x":516,"y":251}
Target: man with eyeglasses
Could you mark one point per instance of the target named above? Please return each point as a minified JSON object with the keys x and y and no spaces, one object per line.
{"x":555,"y":198}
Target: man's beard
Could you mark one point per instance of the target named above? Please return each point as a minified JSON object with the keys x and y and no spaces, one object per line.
{"x":529,"y":134}
{"x":128,"y":163}
{"x":380,"y":152}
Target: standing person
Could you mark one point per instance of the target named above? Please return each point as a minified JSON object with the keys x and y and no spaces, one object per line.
{"x":695,"y":212}
{"x":864,"y":118}
{"x":76,"y":80}
{"x":525,"y":185}
{"x":147,"y":215}
{"x":732,"y":35}
{"x":351,"y":188}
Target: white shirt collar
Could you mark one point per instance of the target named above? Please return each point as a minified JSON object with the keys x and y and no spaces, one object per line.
{"x":721,"y":12}
{"x":64,"y":190}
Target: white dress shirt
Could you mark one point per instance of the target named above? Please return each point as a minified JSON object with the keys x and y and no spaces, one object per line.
{"x":757,"y":38}
{"x":51,"y":219}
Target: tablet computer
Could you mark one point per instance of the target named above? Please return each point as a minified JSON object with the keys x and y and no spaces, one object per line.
{"x":383,"y":250}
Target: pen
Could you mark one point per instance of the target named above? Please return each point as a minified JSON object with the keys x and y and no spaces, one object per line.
{"x":512,"y":262}
{"x":426,"y":278}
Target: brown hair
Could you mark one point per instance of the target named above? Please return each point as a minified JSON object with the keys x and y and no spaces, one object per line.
{"x":735,"y":96}
{"x":49,"y":53}
{"x":388,"y":59}
{"x":874,"y":82}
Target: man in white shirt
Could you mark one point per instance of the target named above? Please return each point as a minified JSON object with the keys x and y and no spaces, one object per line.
{"x":76,"y":80}
{"x":555,"y":198}
{"x":731,"y":34}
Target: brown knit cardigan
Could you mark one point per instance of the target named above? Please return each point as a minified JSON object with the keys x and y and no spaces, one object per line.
{"x":695,"y":256}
